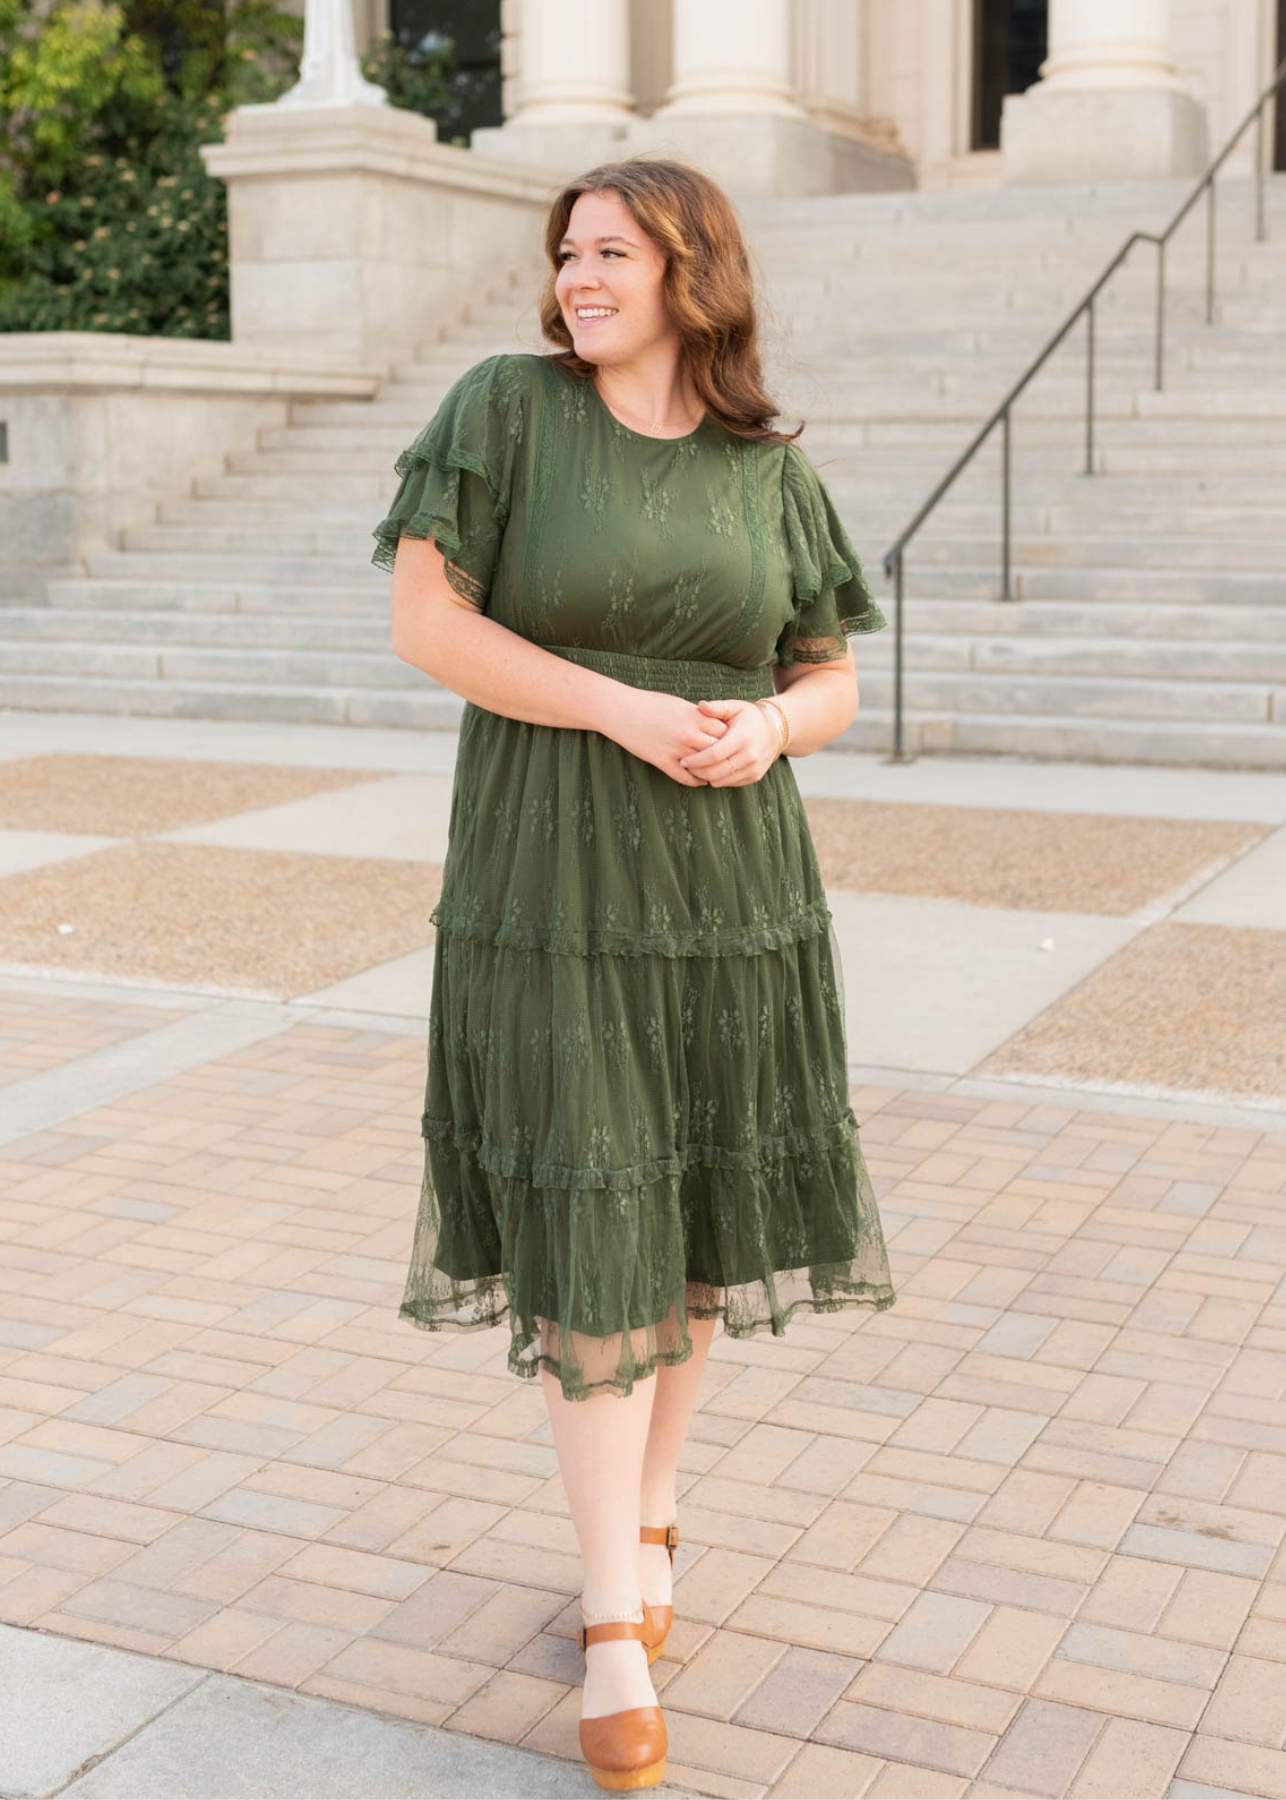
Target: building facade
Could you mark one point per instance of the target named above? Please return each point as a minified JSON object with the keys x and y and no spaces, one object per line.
{"x":816,"y":95}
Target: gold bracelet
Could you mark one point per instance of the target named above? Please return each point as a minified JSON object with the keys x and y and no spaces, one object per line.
{"x":783,"y":736}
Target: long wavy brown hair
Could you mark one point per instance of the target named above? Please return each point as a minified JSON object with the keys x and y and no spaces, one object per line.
{"x":707,"y":285}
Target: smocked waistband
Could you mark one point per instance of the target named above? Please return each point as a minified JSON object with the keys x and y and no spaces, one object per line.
{"x":694,"y":680}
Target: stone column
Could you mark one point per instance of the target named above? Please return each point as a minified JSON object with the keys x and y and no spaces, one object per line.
{"x":730,"y":106}
{"x":575,"y":62}
{"x":731,"y":56}
{"x":1109,"y":104}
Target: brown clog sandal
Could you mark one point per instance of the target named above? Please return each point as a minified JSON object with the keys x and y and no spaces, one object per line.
{"x":658,"y":1619}
{"x":623,"y":1749}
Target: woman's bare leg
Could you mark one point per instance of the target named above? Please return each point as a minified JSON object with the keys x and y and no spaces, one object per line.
{"x":600,"y":1454}
{"x":676,"y":1393}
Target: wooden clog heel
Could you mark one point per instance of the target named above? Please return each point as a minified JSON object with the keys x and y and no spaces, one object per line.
{"x":658,"y":1619}
{"x":626,"y":1749}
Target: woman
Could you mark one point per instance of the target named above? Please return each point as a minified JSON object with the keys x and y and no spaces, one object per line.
{"x":636,"y":1116}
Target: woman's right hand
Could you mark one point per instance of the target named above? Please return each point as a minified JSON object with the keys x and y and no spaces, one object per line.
{"x":664,"y":728}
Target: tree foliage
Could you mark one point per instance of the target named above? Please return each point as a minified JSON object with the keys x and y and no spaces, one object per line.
{"x":108,"y":219}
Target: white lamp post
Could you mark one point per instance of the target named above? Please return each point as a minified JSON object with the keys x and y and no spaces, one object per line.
{"x":329,"y":72}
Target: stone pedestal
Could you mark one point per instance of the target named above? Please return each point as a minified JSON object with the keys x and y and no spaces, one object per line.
{"x":353,"y":231}
{"x":1109,"y":104}
{"x":748,"y":154}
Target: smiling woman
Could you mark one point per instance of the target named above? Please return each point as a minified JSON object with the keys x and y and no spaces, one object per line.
{"x":636,"y":1114}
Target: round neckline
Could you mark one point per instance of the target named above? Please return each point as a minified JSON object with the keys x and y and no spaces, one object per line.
{"x":646,"y":436}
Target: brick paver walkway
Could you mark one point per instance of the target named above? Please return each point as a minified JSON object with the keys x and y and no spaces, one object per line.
{"x":1022,"y":1534}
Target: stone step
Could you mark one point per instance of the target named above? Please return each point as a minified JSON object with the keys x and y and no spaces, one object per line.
{"x":430,"y":707}
{"x":888,"y":473}
{"x":1088,"y":696}
{"x":1147,"y":659}
{"x":259,"y":666}
{"x":1013,"y":341}
{"x":932,"y":548}
{"x":196,"y":613}
{"x":1091,"y":551}
{"x":848,"y":421}
{"x":352,"y":488}
{"x":1246,"y":587}
{"x":166,"y":628}
{"x":67,"y":640}
{"x":1050,"y":738}
{"x":880,"y":517}
{"x":256,"y":569}
{"x":225,"y":540}
{"x":933,"y":394}
{"x":183,"y":594}
{"x":1029,"y":620}
{"x":1040,"y":736}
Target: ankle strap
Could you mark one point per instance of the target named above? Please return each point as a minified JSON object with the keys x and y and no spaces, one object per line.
{"x":660,"y":1534}
{"x":613,"y":1628}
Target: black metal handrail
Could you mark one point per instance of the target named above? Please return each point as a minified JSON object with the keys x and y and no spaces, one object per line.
{"x":1001,"y":416}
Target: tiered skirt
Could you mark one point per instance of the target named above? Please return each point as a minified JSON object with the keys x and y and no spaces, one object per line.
{"x":636,"y":1107}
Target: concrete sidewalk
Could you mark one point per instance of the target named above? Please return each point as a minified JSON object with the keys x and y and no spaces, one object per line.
{"x":1022,"y":1534}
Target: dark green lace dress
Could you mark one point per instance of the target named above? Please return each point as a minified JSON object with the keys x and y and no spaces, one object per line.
{"x":636,"y":1110}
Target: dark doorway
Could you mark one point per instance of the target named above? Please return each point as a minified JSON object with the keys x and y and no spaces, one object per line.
{"x":1010,"y":43}
{"x":474,"y":82}
{"x":1279,"y":111}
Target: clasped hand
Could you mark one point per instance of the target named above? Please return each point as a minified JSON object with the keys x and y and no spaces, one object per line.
{"x":674,"y":735}
{"x":743,"y":753}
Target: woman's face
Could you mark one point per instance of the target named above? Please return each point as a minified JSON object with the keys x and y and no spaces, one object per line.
{"x":608,"y":262}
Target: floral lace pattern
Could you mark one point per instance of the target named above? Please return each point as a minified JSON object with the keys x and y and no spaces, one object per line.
{"x":635,"y":1110}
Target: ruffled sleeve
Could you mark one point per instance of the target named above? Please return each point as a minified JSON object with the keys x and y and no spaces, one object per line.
{"x":831,"y":598}
{"x":457,"y":477}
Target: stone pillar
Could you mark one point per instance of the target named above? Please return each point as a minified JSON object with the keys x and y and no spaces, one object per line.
{"x":1109,"y":104}
{"x":731,"y":56}
{"x":729,"y":108}
{"x":575,"y":62}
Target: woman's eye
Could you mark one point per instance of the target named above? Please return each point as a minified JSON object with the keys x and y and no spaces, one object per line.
{"x":564,"y":254}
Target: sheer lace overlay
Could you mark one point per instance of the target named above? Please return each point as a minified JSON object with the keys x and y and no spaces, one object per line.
{"x":636,"y":1104}
{"x":456,"y":479}
{"x":832,"y":599}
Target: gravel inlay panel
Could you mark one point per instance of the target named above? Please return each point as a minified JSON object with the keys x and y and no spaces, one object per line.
{"x":1034,"y":861}
{"x":39,"y":1032}
{"x":132,"y":796}
{"x":202,"y":915}
{"x":1190,"y":1007}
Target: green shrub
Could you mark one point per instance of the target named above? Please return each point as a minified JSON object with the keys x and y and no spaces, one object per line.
{"x":108,"y":219}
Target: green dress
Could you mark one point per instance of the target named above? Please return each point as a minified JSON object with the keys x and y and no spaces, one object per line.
{"x":636,"y":1111}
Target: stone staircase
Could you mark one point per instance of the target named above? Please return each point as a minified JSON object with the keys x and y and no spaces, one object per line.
{"x":1149,"y":619}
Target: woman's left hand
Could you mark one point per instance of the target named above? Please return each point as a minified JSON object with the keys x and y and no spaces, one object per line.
{"x":750,"y":742}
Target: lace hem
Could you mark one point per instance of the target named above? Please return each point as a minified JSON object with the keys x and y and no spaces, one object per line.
{"x":465,"y":922}
{"x":598,"y":1292}
{"x":584,"y":1177}
{"x":493,"y":1310}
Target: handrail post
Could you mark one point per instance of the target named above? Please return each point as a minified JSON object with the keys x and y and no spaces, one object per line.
{"x":1005,"y":589}
{"x":1261,"y":230}
{"x":1160,"y":309}
{"x":897,"y":659}
{"x":1089,"y":389}
{"x":1210,"y":254}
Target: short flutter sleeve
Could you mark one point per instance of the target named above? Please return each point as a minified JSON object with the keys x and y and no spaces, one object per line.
{"x":831,"y":598}
{"x":457,"y":477}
